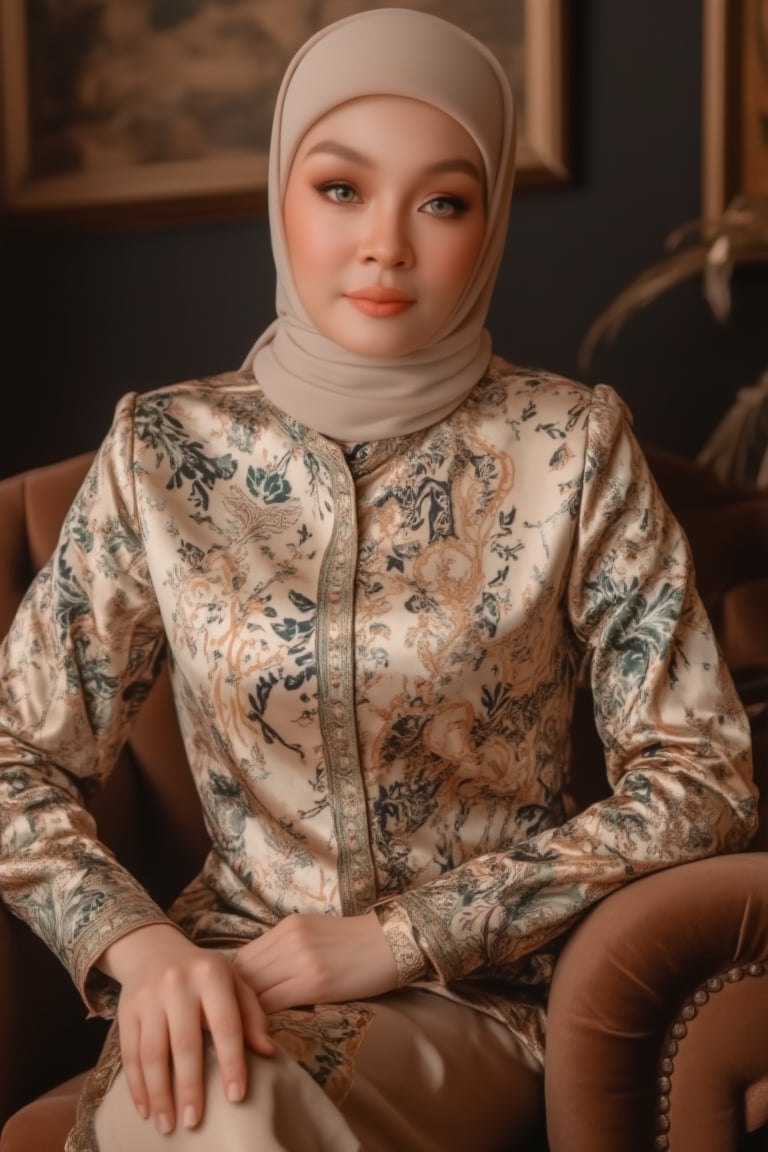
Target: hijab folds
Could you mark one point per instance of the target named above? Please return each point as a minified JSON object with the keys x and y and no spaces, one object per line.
{"x":386,"y":52}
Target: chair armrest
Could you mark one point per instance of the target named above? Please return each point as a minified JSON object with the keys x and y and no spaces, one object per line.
{"x":634,"y":969}
{"x":44,"y":1034}
{"x":752,"y":685}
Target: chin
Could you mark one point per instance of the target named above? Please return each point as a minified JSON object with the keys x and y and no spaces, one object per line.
{"x":382,"y":339}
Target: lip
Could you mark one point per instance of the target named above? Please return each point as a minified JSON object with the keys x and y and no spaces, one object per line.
{"x":378,"y":301}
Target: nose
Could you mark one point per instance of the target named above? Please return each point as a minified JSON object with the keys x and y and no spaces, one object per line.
{"x":385,"y":239}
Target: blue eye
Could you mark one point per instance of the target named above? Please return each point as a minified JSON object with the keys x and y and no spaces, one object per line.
{"x":339,"y":192}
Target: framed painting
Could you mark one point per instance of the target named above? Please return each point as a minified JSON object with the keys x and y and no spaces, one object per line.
{"x":735,"y":102}
{"x":132,"y":112}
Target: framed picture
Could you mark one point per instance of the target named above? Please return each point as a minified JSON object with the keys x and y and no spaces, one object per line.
{"x":735,"y":102}
{"x":139,"y":111}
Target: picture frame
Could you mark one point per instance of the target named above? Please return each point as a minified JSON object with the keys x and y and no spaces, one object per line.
{"x":734,"y":102}
{"x":92,"y":130}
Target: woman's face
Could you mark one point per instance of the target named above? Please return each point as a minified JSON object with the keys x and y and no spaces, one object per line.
{"x":384,"y":218}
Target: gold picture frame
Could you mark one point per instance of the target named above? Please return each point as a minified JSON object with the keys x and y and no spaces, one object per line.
{"x":735,"y":102}
{"x":84,"y":120}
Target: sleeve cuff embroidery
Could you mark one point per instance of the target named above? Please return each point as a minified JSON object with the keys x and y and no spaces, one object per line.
{"x":409,"y":959}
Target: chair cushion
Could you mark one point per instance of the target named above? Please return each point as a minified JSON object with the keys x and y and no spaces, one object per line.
{"x":43,"y":1125}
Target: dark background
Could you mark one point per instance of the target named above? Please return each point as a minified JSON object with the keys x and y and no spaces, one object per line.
{"x":90,"y":314}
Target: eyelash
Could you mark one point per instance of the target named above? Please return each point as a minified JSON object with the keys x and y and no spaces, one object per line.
{"x":457,"y":206}
{"x":333,"y":186}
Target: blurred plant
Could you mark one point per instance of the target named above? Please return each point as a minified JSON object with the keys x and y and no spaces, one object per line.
{"x":711,"y":247}
{"x":737,"y":449}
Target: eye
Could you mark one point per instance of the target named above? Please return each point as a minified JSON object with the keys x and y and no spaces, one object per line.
{"x":445,"y":206}
{"x":339,"y":192}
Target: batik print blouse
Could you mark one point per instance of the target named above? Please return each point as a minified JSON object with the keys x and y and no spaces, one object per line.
{"x":374,"y":650}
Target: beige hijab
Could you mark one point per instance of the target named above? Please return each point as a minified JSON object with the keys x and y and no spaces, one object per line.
{"x":392,"y":52}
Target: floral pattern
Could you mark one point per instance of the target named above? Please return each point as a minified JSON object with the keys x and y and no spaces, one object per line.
{"x":374,"y":651}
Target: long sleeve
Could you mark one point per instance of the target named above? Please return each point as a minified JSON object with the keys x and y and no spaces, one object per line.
{"x":676,"y":738}
{"x":75,"y":666}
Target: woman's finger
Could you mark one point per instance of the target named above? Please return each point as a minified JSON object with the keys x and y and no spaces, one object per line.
{"x":312,"y":959}
{"x":254,"y":1019}
{"x":260,"y":964}
{"x":186,"y":1057}
{"x":223,"y":1009}
{"x":129,"y":1051}
{"x":154,"y":1056}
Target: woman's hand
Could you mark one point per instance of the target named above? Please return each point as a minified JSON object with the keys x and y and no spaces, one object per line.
{"x":171,"y":990}
{"x":315,"y":959}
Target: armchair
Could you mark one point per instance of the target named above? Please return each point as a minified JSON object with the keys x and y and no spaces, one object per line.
{"x":659,"y":1004}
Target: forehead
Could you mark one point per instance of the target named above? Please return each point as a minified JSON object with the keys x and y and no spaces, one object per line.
{"x":393,"y":127}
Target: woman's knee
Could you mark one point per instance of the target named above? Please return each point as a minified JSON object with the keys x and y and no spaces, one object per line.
{"x":283,"y":1111}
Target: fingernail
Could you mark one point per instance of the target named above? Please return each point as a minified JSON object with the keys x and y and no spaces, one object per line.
{"x":163,"y":1123}
{"x":142,"y":1111}
{"x":190,"y":1116}
{"x":235,"y":1092}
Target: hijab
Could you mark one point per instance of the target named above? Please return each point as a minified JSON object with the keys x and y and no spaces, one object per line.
{"x":386,"y":52}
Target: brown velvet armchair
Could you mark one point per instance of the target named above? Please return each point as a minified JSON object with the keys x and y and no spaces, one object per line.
{"x":659,"y":1007}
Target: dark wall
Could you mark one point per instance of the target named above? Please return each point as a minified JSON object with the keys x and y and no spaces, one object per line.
{"x":86,"y":317}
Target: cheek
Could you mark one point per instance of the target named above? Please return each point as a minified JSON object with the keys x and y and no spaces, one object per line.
{"x":295,"y":228}
{"x":457,"y":260}
{"x":467,"y":256}
{"x":306,"y":240}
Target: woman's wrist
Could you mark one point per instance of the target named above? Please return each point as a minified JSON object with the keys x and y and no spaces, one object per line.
{"x":122,"y":954}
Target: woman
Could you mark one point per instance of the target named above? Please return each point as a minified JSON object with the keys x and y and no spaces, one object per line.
{"x":377,"y":558}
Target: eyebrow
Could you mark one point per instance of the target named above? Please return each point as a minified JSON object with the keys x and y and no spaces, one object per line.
{"x":457,"y":164}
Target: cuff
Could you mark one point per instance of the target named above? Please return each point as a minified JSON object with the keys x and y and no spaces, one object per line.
{"x":99,"y":991}
{"x":409,"y":959}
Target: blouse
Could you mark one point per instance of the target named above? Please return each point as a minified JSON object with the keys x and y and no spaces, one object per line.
{"x":374,"y":650}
